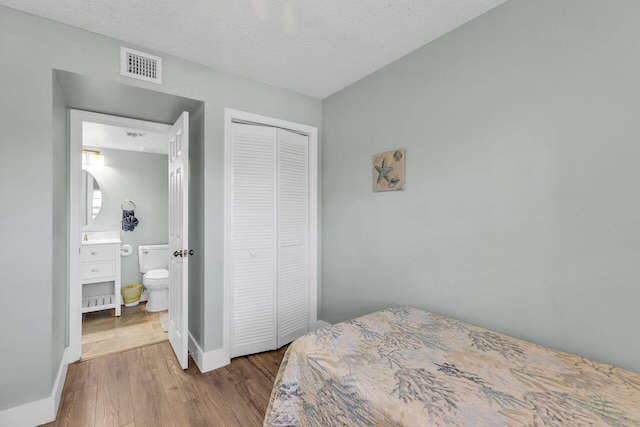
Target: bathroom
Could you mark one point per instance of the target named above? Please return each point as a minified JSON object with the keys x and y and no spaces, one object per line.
{"x":125,"y":179}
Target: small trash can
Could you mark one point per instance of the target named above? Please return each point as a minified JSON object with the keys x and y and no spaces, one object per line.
{"x":131,"y":294}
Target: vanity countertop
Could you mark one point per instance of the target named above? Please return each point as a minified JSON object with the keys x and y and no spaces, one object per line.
{"x":100,"y":237}
{"x":100,"y":241}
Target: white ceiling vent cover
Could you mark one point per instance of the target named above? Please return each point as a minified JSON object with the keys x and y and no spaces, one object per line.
{"x":140,"y":65}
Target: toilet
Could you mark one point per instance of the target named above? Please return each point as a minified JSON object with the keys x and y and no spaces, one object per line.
{"x":154,"y":264}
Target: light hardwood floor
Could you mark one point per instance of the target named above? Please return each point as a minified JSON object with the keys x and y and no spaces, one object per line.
{"x":147,"y":387}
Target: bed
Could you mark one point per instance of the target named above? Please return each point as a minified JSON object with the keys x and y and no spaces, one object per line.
{"x":407,"y":367}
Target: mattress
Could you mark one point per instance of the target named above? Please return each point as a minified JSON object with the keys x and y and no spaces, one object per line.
{"x":407,"y":367}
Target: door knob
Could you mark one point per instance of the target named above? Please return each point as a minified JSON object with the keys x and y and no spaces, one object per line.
{"x":191,"y":252}
{"x":177,"y":253}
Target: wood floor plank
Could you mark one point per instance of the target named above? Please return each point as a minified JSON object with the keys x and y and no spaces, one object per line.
{"x":217,"y":413}
{"x":264,"y":365}
{"x":137,"y":362}
{"x":240,"y":370}
{"x":196,"y":379}
{"x":230,"y":384}
{"x":81,"y":375}
{"x":114,"y":401}
{"x":216,"y":395}
{"x":268,"y":363}
{"x":173,"y":391}
{"x":188,"y":414}
{"x":255,"y":395}
{"x":177,"y":385}
{"x":77,"y":408}
{"x":261,"y":366}
{"x":150,"y":400}
{"x":222,"y":391}
{"x":146,"y":387}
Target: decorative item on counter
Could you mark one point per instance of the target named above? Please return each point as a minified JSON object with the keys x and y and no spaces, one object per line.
{"x":129,"y":220}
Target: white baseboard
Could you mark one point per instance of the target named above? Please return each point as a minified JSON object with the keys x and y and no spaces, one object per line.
{"x":207,"y":361}
{"x":319,"y":325}
{"x":41,"y":411}
{"x":56,"y":393}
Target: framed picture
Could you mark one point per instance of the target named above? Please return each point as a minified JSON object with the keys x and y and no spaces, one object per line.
{"x":388,"y":170}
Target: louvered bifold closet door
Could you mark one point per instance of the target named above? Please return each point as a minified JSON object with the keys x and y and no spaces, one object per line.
{"x":253,"y":239}
{"x":293,"y":236}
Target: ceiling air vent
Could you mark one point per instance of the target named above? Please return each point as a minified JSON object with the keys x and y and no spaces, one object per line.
{"x":140,"y":65}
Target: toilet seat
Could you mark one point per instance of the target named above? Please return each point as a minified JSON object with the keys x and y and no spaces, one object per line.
{"x":157,"y":274}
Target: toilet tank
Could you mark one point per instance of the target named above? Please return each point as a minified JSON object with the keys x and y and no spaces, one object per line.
{"x":153,"y":257}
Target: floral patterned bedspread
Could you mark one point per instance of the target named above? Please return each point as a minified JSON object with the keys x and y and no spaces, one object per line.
{"x":407,"y":367}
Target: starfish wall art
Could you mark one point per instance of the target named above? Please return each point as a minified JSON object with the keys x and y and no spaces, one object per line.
{"x":388,"y":170}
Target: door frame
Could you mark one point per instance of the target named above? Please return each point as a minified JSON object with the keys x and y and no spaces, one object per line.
{"x":76,"y":119}
{"x":230,"y":116}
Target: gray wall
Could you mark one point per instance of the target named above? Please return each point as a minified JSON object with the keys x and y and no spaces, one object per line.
{"x":141,"y":178}
{"x":520,"y":212}
{"x":30,"y":348}
{"x":26,"y":253}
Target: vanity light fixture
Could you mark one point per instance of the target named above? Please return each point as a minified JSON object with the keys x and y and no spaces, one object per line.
{"x":92,"y":157}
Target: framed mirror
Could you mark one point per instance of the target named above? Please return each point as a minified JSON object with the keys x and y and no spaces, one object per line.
{"x":91,"y":196}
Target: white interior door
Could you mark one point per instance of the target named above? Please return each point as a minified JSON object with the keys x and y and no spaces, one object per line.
{"x":179,"y":237}
{"x":293,"y":236}
{"x":252,"y":239}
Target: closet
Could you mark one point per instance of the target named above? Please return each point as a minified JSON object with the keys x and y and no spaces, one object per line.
{"x":269,"y":237}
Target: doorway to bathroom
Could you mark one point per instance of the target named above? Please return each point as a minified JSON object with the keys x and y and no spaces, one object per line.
{"x":126,"y":194}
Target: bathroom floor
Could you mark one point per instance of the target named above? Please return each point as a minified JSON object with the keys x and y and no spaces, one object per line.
{"x":103,"y":333}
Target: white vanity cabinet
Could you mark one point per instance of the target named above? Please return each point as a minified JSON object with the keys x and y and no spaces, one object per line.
{"x":101,"y":263}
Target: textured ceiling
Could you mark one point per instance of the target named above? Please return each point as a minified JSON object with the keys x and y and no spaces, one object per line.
{"x":314,"y":47}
